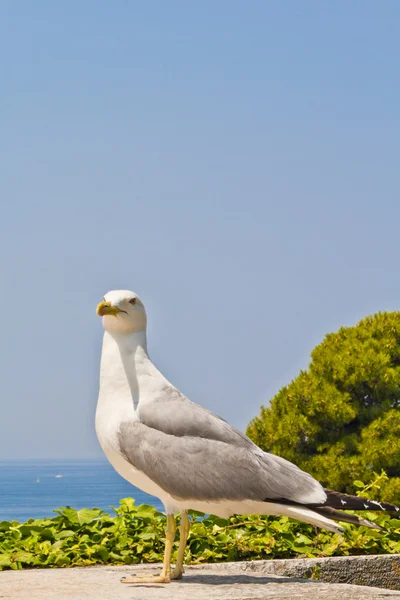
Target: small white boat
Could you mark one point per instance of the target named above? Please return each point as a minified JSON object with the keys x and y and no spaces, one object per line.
{"x":58,"y":476}
{"x":38,"y":480}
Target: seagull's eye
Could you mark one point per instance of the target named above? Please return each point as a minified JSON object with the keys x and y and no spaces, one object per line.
{"x":132,"y":301}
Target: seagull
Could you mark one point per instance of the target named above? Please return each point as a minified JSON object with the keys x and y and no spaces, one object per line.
{"x":187,"y":456}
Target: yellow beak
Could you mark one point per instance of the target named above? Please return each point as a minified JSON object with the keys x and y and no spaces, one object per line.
{"x":106,"y":308}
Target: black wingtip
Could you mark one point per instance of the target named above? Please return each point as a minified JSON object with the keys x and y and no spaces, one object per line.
{"x":347,"y":502}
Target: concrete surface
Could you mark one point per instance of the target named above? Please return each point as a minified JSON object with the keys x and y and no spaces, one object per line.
{"x":199,"y":583}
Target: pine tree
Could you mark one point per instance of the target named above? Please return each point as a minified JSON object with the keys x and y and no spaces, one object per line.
{"x":340,"y":419}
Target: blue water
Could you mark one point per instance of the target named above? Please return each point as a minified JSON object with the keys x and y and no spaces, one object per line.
{"x":30,"y":489}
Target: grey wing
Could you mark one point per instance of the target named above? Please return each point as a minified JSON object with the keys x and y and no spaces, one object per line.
{"x":174,"y":414}
{"x":212,"y":463}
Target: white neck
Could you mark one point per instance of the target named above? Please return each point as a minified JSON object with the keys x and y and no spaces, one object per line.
{"x":135,"y":360}
{"x":127,"y":374}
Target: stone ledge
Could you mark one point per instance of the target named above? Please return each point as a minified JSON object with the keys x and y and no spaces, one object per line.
{"x":229,"y":581}
{"x":378,"y":570}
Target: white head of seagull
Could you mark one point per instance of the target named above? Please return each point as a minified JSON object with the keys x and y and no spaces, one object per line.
{"x":124,"y":355}
{"x":123,"y":312}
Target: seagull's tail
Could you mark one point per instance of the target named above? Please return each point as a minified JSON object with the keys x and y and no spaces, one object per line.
{"x":339,"y":515}
{"x":313,"y":516}
{"x":325,"y":515}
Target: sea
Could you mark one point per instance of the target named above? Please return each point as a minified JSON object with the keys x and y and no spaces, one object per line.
{"x":33,"y":489}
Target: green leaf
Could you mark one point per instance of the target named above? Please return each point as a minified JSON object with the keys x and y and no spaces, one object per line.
{"x":5,"y":560}
{"x":62,"y":561}
{"x":103,"y":553}
{"x":22,"y":556}
{"x":303,"y":539}
{"x":47,"y":534}
{"x":71,"y":514}
{"x":65,"y":533}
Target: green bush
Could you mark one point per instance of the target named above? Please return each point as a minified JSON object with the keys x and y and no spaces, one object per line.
{"x":136,"y":534}
{"x":340,"y":419}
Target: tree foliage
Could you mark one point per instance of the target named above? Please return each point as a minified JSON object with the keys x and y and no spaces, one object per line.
{"x":340,"y":419}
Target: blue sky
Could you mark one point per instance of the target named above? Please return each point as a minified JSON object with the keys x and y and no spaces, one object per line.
{"x":234,"y":163}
